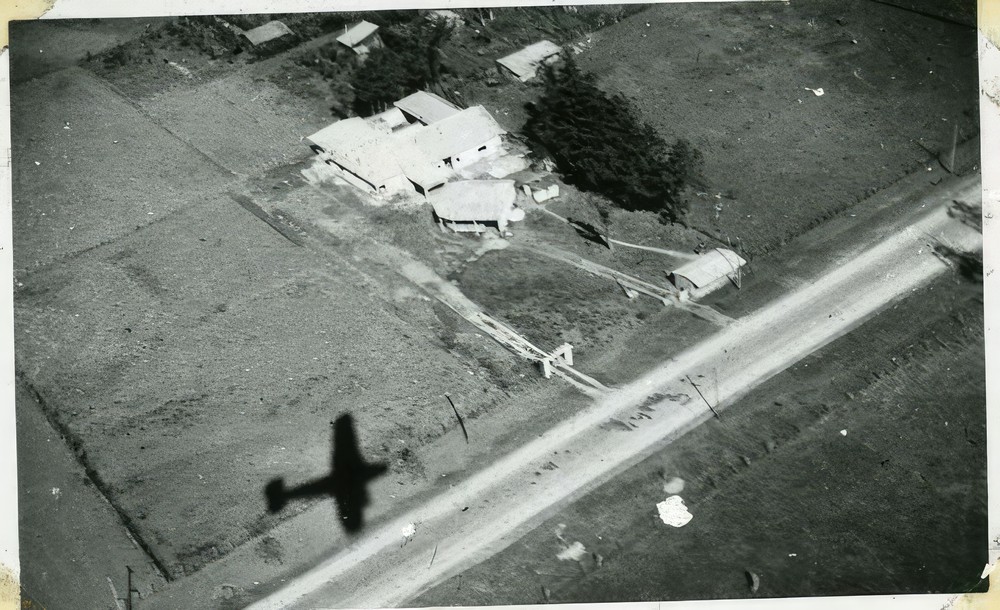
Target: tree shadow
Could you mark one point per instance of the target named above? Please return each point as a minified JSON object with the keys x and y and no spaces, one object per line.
{"x":347,"y":482}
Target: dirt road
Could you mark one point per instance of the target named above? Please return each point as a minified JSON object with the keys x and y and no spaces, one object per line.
{"x":492,"y":508}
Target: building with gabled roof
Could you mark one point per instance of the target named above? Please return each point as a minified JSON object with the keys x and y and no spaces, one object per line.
{"x":524,"y":64}
{"x":385,"y":154}
{"x":363,"y":153}
{"x":361,"y":38}
{"x":474,"y":206}
{"x":461,"y":139}
{"x":707,"y":273}
{"x":425,"y":107}
{"x":267,"y":32}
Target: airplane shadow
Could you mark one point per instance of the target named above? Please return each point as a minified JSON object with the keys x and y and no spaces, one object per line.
{"x":347,"y":482}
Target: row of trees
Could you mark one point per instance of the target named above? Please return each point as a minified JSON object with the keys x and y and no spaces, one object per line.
{"x":599,"y":144}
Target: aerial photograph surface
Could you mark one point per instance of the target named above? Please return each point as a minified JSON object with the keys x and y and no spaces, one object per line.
{"x":491,"y":306}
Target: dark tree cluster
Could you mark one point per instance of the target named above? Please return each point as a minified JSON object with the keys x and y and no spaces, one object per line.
{"x":409,"y":60}
{"x":599,"y":144}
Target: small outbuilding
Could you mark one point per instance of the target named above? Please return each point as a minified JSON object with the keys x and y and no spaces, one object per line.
{"x":524,"y":64}
{"x":361,"y":38}
{"x":473,"y":206}
{"x":271,"y":30}
{"x":707,"y":273}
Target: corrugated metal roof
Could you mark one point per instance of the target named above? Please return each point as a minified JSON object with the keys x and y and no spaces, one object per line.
{"x":710,"y":266}
{"x":357,"y":33}
{"x":479,"y":200}
{"x":359,"y":147}
{"x":426,"y":107}
{"x":458,"y":133}
{"x":524,"y":63}
{"x":266,"y":32}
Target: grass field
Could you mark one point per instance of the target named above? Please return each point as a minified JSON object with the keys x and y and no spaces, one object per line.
{"x":896,"y":505}
{"x":780,"y":157}
{"x":89,"y":167}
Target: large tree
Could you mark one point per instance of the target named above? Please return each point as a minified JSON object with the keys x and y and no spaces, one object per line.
{"x":410,"y":60}
{"x":600,"y":144}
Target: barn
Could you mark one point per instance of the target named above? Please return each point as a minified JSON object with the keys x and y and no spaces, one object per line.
{"x":707,"y":273}
{"x":474,"y":206}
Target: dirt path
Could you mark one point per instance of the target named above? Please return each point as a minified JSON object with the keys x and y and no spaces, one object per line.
{"x":665,"y":293}
{"x":492,"y":508}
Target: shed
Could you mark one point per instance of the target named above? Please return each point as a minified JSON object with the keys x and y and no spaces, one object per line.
{"x":461,"y":139}
{"x":267,"y":32}
{"x":361,"y":38}
{"x":708,"y":272}
{"x":363,"y":153}
{"x":426,"y":107}
{"x":475,"y":205}
{"x":524,"y":64}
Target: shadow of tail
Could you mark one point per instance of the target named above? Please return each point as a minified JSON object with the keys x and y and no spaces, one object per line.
{"x":276,"y":496}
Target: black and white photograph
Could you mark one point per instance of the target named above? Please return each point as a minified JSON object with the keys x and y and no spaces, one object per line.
{"x":443,"y":304}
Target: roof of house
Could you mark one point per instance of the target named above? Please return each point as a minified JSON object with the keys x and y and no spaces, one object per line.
{"x":480,"y":200}
{"x":426,"y":107}
{"x":710,"y":266}
{"x":457,"y":133}
{"x":268,"y":31}
{"x":388,"y":121}
{"x":524,"y":63}
{"x":415,"y":165}
{"x":359,"y":147}
{"x":356,"y":34}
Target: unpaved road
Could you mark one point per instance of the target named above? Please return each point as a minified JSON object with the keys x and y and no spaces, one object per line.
{"x":491,"y":509}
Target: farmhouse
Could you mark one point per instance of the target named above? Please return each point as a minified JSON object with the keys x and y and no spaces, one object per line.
{"x":473,"y":206}
{"x":271,"y":30}
{"x":524,"y":64}
{"x":426,"y":108}
{"x":710,"y":271}
{"x":387,"y":154}
{"x":361,"y":38}
{"x":461,"y":139}
{"x":363,"y":153}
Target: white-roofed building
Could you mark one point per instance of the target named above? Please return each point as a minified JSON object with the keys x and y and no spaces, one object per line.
{"x":707,"y":273}
{"x":474,"y":206}
{"x":461,"y":139}
{"x":426,"y":107}
{"x":363,"y":153}
{"x":267,"y":32}
{"x":385,"y":154}
{"x":361,"y":38}
{"x":524,"y":64}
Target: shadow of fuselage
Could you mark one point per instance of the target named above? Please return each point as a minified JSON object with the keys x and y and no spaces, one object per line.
{"x":347,"y":482}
